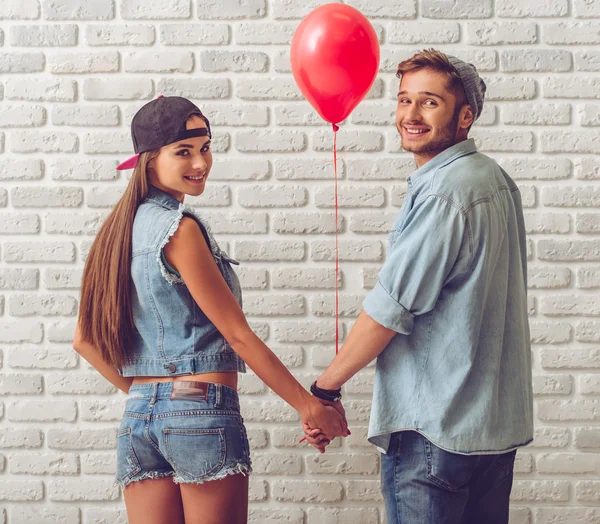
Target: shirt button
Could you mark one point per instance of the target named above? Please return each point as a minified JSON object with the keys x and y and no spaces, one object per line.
{"x":172,"y":368}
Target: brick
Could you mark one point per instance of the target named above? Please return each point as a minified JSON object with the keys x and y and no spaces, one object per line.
{"x":43,"y":464}
{"x":273,"y":305}
{"x":271,"y":88}
{"x":252,"y":278}
{"x":44,"y":142}
{"x":82,"y":490}
{"x":98,"y":463}
{"x":19,"y":62}
{"x":291,"y":114}
{"x":103,"y":196}
{"x":105,"y":515}
{"x":269,"y":250}
{"x":20,"y":332}
{"x":78,"y":10}
{"x":550,"y":437}
{"x":124,"y":89}
{"x":231,"y":9}
{"x":82,"y":169}
{"x":573,"y":142}
{"x":275,"y":516}
{"x":237,"y":169}
{"x":523,"y":463}
{"x":543,"y":114}
{"x":74,"y":63}
{"x":270,"y":141}
{"x":100,"y":410}
{"x":533,"y":8}
{"x":51,"y":35}
{"x":588,"y":277}
{"x":305,"y":223}
{"x":289,"y":438}
{"x":587,"y":169}
{"x":19,"y":10}
{"x":42,"y":90}
{"x":501,"y":33}
{"x":538,"y":168}
{"x":261,"y":33}
{"x":348,"y":141}
{"x":12,"y":278}
{"x":570,"y":87}
{"x":540,"y":491}
{"x":501,"y":88}
{"x":119,"y":34}
{"x":47,"y":197}
{"x":588,"y":331}
{"x":589,"y":384}
{"x":41,"y":305}
{"x":30,"y":514}
{"x":587,"y":222}
{"x":235,"y":61}
{"x":276,"y":464}
{"x":423,"y":32}
{"x":552,"y":385}
{"x":342,"y":464}
{"x":22,"y":116}
{"x":548,"y":277}
{"x":369,"y":277}
{"x":80,"y":439}
{"x":158,"y":62}
{"x":499,"y":140}
{"x":350,"y":197}
{"x":587,"y":491}
{"x":569,"y":410}
{"x":42,"y":411}
{"x":324,"y":305}
{"x":194,"y":34}
{"x":587,"y":60}
{"x":19,"y":224}
{"x":385,"y":8}
{"x":569,"y":250}
{"x":317,"y":515}
{"x":267,"y":411}
{"x":21,"y":490}
{"x":589,"y":115}
{"x":27,"y":438}
{"x":587,"y":438}
{"x":306,"y":169}
{"x":306,"y":491}
{"x":547,"y":223}
{"x":363,"y":490}
{"x":303,"y":278}
{"x":20,"y":384}
{"x":106,"y":143}
{"x":566,"y":515}
{"x":561,"y":33}
{"x":142,"y":10}
{"x":304,"y":331}
{"x":570,"y":305}
{"x":272,"y":196}
{"x":552,"y":60}
{"x":349,"y":250}
{"x":78,"y":384}
{"x":456,"y":9}
{"x":32,"y":357}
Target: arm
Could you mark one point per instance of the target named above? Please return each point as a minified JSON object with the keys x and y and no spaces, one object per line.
{"x":365,"y":341}
{"x":188,"y":252}
{"x":92,"y":355}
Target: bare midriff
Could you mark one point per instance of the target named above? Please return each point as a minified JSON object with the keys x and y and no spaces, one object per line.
{"x":227,"y":378}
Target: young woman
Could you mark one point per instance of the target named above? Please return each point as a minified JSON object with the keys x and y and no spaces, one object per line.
{"x":161,"y":318}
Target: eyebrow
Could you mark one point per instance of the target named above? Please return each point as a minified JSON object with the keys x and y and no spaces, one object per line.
{"x":190,"y":146}
{"x":428,"y":93}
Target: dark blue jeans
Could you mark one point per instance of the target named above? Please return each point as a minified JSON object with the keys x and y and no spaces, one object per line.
{"x":423,"y":484}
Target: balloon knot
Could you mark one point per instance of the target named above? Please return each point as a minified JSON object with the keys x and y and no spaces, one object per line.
{"x":335,"y":128}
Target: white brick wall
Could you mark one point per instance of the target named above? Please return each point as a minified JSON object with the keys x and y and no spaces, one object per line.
{"x":73,"y":73}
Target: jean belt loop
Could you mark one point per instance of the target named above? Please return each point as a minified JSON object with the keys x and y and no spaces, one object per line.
{"x":154,"y":393}
{"x":218,"y":391}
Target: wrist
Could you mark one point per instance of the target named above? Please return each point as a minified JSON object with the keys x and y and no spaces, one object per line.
{"x":329,"y":395}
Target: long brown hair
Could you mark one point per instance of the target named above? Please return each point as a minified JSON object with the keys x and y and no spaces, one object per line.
{"x":105,"y":316}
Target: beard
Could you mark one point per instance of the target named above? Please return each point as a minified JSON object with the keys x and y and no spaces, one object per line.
{"x":446,"y":137}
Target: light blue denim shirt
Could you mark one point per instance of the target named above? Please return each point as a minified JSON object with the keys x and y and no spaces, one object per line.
{"x":454,"y":287}
{"x":174,"y":336}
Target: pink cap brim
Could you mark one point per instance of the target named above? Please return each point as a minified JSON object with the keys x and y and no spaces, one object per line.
{"x":130,"y":163}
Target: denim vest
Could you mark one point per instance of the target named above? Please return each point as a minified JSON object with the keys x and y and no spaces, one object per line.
{"x":174,"y":336}
{"x":454,"y":288}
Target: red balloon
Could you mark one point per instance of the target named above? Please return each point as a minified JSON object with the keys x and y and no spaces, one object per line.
{"x":335,"y":59}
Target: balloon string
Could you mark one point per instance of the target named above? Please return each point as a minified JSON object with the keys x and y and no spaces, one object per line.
{"x":337,"y":247}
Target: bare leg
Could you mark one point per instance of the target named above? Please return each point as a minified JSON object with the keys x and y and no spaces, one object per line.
{"x":154,"y":501}
{"x":216,"y":501}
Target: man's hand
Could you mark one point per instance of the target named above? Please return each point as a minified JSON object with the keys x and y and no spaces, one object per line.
{"x":316,"y":437}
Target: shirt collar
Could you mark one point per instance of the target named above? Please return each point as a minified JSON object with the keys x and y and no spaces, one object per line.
{"x":466,"y":147}
{"x":162,"y":197}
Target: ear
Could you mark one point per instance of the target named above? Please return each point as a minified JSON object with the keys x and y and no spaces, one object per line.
{"x":466,"y":118}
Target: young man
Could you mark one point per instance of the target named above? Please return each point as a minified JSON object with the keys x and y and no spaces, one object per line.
{"x":447,"y":318}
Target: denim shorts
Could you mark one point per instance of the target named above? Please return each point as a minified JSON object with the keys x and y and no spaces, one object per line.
{"x":194,"y":439}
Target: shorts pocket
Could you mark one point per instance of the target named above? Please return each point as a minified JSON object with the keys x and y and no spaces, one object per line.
{"x":195,"y":453}
{"x":127,"y":461}
{"x":451,"y":471}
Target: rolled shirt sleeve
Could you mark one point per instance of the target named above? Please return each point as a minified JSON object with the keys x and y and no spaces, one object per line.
{"x":432,"y":248}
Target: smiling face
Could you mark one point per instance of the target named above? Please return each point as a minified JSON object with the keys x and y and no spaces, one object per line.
{"x":429,"y":117}
{"x":182,"y":168}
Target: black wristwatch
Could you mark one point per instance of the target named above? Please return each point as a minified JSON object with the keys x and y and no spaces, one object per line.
{"x":331,"y":395}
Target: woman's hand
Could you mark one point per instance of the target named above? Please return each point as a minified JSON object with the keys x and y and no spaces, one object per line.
{"x":319,"y":439}
{"x":327,"y":419}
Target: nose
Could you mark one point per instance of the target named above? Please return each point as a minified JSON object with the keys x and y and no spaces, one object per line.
{"x":199,"y":163}
{"x":412,"y":113}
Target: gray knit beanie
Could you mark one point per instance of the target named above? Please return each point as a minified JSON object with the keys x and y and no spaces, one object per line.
{"x":474,"y":86}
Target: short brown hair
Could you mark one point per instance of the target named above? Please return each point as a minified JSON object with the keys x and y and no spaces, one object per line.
{"x":436,"y":61}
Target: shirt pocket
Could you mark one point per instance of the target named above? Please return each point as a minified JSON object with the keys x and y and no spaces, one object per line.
{"x":400,"y":220}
